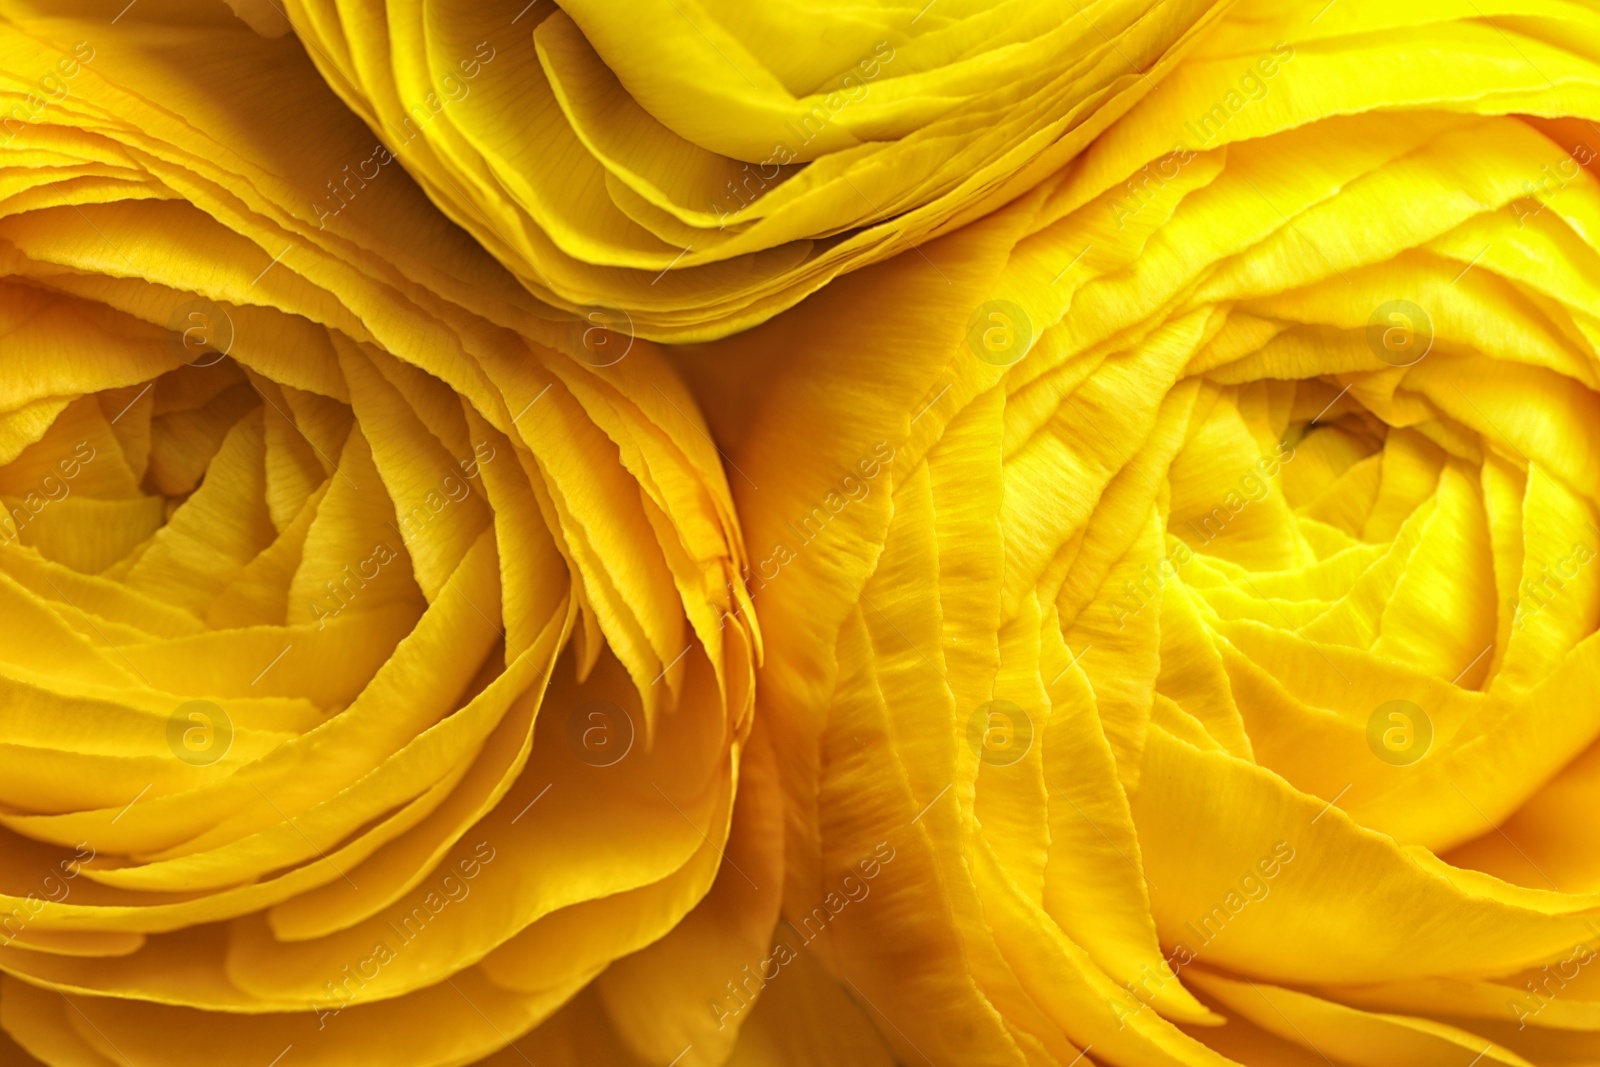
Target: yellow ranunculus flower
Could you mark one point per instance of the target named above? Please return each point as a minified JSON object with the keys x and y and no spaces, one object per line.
{"x":372,"y":676}
{"x":696,"y":166}
{"x":1194,"y":582}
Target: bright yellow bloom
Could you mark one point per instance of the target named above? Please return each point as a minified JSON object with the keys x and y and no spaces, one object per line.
{"x":1192,"y":573}
{"x":696,"y":166}
{"x":372,"y":676}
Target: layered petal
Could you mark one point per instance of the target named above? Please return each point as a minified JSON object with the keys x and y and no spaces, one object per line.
{"x":373,"y":672}
{"x":693,"y":167}
{"x":1193,"y":588}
